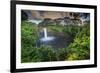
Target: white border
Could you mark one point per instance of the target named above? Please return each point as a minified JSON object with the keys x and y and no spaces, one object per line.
{"x":20,"y":65}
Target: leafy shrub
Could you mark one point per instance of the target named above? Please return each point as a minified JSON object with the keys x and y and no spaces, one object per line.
{"x":62,"y":54}
{"x":72,"y":29}
{"x":80,"y":48}
{"x":29,"y":34}
{"x":56,"y":28}
{"x":41,"y":54}
{"x":46,"y":53}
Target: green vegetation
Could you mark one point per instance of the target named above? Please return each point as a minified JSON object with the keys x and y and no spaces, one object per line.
{"x":56,"y":28}
{"x":79,"y":49}
{"x":29,"y":35}
{"x":72,"y":29}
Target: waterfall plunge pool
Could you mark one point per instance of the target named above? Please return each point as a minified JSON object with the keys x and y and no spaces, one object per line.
{"x":54,"y":40}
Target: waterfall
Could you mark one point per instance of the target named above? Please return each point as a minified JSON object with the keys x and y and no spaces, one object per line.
{"x":45,"y":32}
{"x":46,"y":38}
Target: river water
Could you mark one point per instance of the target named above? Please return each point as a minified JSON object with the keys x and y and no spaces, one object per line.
{"x":61,"y":40}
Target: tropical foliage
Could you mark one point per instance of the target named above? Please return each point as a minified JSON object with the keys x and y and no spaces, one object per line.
{"x":79,"y":49}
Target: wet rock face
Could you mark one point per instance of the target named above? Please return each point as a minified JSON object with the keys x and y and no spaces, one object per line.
{"x":47,"y":21}
{"x":58,"y":18}
{"x":32,"y":14}
{"x":61,"y":21}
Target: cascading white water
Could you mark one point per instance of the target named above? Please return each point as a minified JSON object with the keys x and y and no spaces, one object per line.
{"x":45,"y":32}
{"x":46,"y":38}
